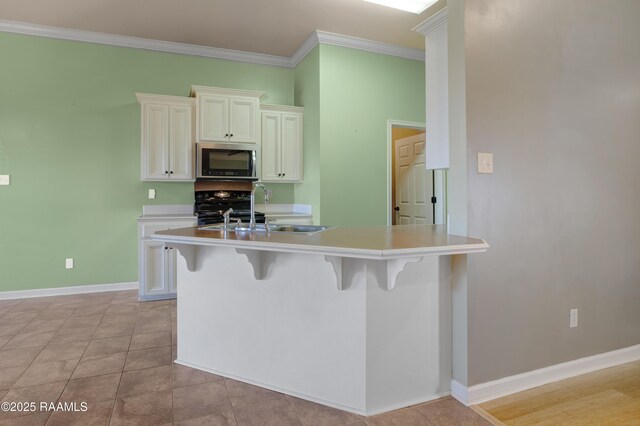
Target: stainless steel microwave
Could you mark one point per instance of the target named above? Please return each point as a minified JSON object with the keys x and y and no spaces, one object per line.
{"x":226,"y":161}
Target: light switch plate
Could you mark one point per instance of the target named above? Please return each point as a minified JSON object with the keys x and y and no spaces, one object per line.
{"x":68,"y":263}
{"x":5,"y":179}
{"x":485,"y":162}
{"x":152,"y":194}
{"x":573,"y":318}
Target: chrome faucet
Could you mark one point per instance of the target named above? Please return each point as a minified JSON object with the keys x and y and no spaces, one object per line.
{"x":225,"y":215}
{"x":267,"y":194}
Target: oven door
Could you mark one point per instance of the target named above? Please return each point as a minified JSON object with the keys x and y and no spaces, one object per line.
{"x":226,"y":162}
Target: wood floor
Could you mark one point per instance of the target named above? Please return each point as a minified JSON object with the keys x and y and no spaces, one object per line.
{"x":606,"y":397}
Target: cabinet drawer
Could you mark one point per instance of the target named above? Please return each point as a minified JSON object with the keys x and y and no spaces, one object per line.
{"x":149,"y":229}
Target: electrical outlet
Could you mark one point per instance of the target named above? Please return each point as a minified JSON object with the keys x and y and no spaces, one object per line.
{"x":152,"y":194}
{"x":5,"y":179}
{"x":573,"y":318}
{"x":485,"y":162}
{"x":68,"y":263}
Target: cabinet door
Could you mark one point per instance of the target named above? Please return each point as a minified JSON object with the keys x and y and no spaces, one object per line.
{"x":243,"y":116}
{"x":180,"y":143}
{"x":213,"y":118}
{"x":155,"y":268}
{"x":155,"y":142}
{"x":291,"y":148}
{"x":172,"y":277}
{"x":270,"y":146}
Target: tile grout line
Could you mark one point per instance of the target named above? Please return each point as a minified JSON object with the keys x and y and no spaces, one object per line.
{"x":233,"y":410}
{"x":83,"y":352}
{"x":115,"y":401}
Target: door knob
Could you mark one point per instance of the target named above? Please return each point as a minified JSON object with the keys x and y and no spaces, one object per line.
{"x":396,"y":208}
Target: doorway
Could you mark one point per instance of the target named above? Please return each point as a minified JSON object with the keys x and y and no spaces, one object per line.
{"x":415,"y":195}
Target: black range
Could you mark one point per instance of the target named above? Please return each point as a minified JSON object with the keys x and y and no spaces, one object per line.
{"x":210,"y":205}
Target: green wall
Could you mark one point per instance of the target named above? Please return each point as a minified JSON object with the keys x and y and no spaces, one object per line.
{"x":307,"y":94}
{"x":359,"y":92}
{"x":70,"y":139}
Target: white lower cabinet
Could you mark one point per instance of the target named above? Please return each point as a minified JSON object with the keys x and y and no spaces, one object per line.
{"x":157,"y":261}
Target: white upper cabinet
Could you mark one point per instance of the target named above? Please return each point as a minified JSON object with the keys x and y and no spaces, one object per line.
{"x":167,"y":137}
{"x":213,"y":118}
{"x":181,"y":142}
{"x":282,"y":143}
{"x":227,"y":115}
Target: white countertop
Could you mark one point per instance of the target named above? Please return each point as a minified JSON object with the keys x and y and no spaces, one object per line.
{"x":372,"y":242}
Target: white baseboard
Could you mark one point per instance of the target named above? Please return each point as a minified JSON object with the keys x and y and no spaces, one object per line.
{"x":61,"y":291}
{"x":459,"y":392}
{"x":331,"y":404}
{"x":483,"y":392}
{"x":306,"y":397}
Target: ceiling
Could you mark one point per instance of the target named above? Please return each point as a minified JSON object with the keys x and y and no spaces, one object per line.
{"x":274,"y":27}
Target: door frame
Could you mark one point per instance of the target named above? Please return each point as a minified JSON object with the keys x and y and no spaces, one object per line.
{"x":440,"y":180}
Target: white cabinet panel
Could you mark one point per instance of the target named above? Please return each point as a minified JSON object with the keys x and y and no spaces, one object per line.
{"x":167,"y":142}
{"x":155,"y":268}
{"x":213,"y":118}
{"x":227,"y":115}
{"x":157,"y":262}
{"x":282,"y":143}
{"x":243,"y":115}
{"x":155,"y":141}
{"x":291,"y":147}
{"x":270,"y":146}
{"x":181,"y":143}
{"x":171,"y":277}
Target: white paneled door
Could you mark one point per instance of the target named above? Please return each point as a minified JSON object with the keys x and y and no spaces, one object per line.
{"x":414,"y":184}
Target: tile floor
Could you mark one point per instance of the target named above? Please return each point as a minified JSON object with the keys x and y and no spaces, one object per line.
{"x":115,"y":354}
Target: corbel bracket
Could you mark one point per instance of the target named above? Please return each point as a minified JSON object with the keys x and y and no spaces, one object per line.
{"x":394,"y":267}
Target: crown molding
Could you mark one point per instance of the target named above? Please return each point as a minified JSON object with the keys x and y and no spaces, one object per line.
{"x":432,"y":22}
{"x":317,"y":37}
{"x":141,"y":43}
{"x":305,"y":48}
{"x":369,"y":45}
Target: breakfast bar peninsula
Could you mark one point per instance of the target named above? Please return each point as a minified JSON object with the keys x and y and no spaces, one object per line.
{"x":357,"y":318}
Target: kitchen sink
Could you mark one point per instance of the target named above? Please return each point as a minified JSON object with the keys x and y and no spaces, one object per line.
{"x":307,"y":229}
{"x":260,"y":228}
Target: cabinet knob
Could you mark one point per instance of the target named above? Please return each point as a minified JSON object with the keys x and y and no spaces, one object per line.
{"x":231,"y":135}
{"x":171,"y":172}
{"x":284,"y":174}
{"x":166,"y":172}
{"x":226,"y":135}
